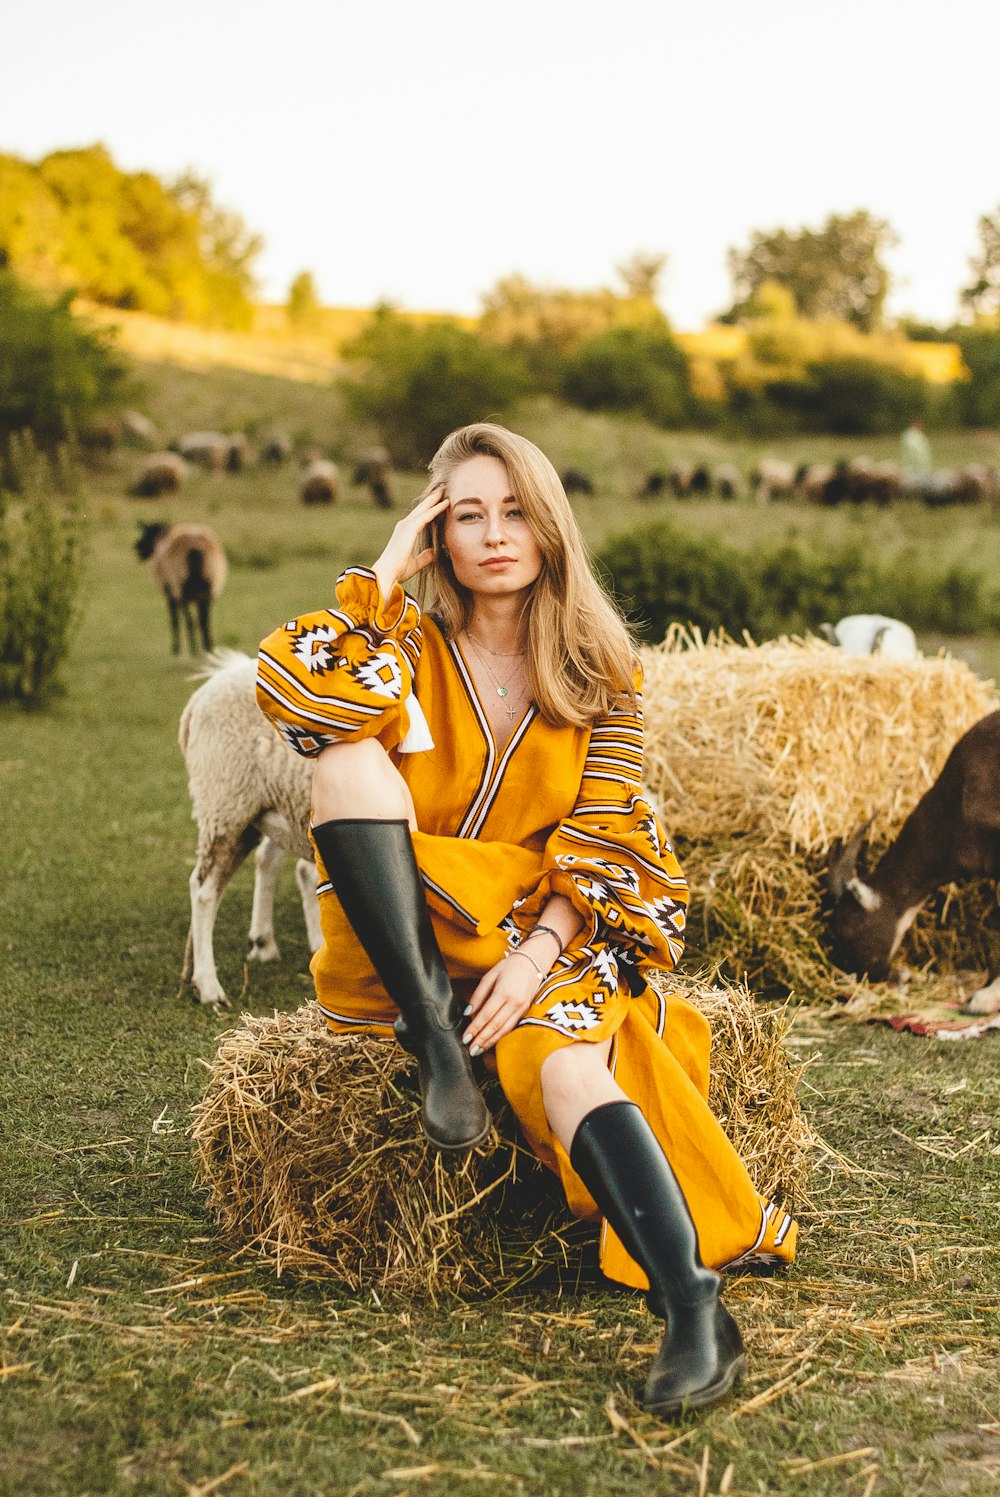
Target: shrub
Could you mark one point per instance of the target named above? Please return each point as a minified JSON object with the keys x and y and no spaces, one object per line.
{"x":416,"y":384}
{"x":41,"y":538}
{"x":661,"y":576}
{"x":55,"y":374}
{"x":640,"y":369}
{"x":979,"y":396}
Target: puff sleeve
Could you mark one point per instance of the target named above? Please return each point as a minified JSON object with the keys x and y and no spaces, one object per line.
{"x":611,"y":858}
{"x":343,"y":673}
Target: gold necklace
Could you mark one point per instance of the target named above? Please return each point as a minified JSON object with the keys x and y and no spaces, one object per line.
{"x":502,"y":687}
{"x":497,"y":654}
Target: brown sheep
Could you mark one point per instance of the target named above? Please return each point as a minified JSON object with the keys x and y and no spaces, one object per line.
{"x":189,"y":566}
{"x":320,"y":482}
{"x":373,"y":466}
{"x":161,"y":473}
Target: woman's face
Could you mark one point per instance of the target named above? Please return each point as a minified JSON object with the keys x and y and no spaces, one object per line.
{"x":493,"y":551}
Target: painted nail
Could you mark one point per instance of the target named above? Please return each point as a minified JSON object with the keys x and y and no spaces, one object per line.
{"x":467,"y":1010}
{"x":476,"y":1050}
{"x":466,"y":1038}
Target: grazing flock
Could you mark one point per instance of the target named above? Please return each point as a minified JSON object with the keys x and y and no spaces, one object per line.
{"x":250,"y":792}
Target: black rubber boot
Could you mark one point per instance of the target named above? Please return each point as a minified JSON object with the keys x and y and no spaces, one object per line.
{"x":374,"y":874}
{"x":619,"y":1159}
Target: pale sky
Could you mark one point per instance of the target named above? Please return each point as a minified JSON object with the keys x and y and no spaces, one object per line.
{"x":416,"y":152}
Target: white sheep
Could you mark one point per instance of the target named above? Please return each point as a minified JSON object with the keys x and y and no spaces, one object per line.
{"x":189,"y":566}
{"x":209,"y":449}
{"x":161,"y":473}
{"x":320,"y":482}
{"x":249,"y":791}
{"x":773,"y":479}
{"x":872,"y":634}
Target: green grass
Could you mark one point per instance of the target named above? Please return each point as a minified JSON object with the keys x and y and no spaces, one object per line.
{"x":141,"y":1354}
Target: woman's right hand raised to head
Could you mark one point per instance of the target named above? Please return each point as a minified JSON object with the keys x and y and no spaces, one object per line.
{"x":399,"y":561}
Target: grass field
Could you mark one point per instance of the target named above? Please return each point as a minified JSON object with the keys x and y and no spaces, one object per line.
{"x":142,"y":1354}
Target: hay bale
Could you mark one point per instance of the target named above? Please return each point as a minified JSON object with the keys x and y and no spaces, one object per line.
{"x":761,"y":755}
{"x":794,"y":740}
{"x":310,"y":1149}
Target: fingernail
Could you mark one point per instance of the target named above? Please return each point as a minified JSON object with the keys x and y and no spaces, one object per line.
{"x":467,"y":1010}
{"x":467,"y":1038}
{"x":476,"y":1050}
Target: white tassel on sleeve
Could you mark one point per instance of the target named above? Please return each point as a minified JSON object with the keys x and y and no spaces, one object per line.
{"x":418,"y":736}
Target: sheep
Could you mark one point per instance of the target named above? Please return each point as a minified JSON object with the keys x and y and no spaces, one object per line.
{"x":727,"y":480}
{"x":680,"y":478}
{"x":772,"y":479}
{"x":872,"y":634}
{"x":320,"y":482}
{"x":811,"y":480}
{"x":952,"y":833}
{"x":969,"y":485}
{"x":238,"y":456}
{"x":373,"y":466}
{"x":701,"y":479}
{"x":655,"y":485}
{"x":189,"y":565}
{"x":276,"y":450}
{"x":138,"y":430}
{"x":249,"y":791}
{"x":207,"y":449}
{"x":161,"y":473}
{"x":576,"y":481}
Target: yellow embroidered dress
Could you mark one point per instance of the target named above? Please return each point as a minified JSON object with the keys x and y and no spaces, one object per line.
{"x":556,"y":811}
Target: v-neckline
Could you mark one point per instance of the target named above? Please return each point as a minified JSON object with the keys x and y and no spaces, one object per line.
{"x":481,"y":714}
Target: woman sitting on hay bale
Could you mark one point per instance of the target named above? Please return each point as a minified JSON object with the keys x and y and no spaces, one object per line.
{"x":488,"y":863}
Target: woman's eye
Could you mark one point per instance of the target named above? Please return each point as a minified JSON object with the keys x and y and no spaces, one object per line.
{"x":515,"y":514}
{"x":468,"y":516}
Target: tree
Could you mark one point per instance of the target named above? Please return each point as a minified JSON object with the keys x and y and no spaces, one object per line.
{"x":642,"y":275}
{"x":416,"y":384}
{"x":836,"y":271}
{"x":303,"y":302}
{"x":982,"y":297}
{"x":631,"y":369}
{"x":56,"y":375}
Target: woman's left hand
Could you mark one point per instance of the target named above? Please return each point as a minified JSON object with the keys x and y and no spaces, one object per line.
{"x":500,"y":1001}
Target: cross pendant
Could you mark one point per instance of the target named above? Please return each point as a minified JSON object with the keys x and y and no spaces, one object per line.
{"x":511,"y":712}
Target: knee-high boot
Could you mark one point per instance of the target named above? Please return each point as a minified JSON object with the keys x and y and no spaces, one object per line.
{"x":618,"y":1157}
{"x":374,"y":873}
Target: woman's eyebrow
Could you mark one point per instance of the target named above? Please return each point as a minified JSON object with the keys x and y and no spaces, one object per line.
{"x":475,"y":499}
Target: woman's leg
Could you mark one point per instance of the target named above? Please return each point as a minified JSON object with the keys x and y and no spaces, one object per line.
{"x":619,"y":1159}
{"x":362,"y":818}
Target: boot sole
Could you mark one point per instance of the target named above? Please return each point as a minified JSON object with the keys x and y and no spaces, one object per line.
{"x":702,"y":1397}
{"x":464,"y":1146}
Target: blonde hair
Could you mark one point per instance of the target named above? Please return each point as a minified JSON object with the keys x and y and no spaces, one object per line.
{"x":581,"y":656}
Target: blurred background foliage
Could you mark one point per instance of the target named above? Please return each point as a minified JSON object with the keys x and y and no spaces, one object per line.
{"x":804,"y":346}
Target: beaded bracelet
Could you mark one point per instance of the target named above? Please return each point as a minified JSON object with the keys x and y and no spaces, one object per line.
{"x":545,"y":930}
{"x":527,"y":958}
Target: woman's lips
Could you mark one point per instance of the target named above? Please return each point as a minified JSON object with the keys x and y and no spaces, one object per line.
{"x":498,"y":561}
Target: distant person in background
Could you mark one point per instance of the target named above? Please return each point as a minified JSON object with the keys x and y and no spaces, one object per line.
{"x":915,"y":453}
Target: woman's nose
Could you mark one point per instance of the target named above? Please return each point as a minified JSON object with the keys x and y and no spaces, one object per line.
{"x":495,"y":532}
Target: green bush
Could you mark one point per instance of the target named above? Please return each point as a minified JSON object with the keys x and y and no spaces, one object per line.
{"x":853,"y":397}
{"x":642,"y":369}
{"x":41,"y":559}
{"x":55,"y":374}
{"x":979,"y":396}
{"x":418,"y":383}
{"x":661,"y":575}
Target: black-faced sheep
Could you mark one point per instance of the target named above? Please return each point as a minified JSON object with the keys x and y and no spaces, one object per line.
{"x":655,"y":485}
{"x":189,"y":566}
{"x":320,"y":482}
{"x":161,"y":473}
{"x":249,"y":792}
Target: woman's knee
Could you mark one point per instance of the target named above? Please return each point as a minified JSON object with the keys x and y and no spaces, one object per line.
{"x":359,"y":780}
